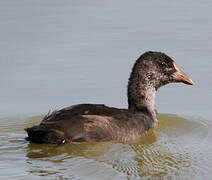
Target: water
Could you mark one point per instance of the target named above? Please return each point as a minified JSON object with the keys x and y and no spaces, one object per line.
{"x":58,"y":53}
{"x":178,"y":149}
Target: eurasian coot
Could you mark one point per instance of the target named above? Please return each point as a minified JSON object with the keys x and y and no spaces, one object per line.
{"x":97,"y":122}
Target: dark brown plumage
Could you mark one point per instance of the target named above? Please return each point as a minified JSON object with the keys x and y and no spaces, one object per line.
{"x":96,"y":122}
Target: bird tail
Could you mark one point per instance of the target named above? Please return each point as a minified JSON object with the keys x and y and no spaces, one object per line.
{"x":44,"y":134}
{"x":36,"y":134}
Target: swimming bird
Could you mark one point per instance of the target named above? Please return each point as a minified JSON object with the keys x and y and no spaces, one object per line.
{"x":97,"y":122}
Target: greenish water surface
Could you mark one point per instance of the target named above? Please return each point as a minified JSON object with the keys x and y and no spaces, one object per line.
{"x":179,"y":148}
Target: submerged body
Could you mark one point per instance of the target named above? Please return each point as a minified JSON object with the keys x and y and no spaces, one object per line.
{"x":95,"y":122}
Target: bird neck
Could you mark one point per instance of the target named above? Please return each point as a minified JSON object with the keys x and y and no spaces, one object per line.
{"x":141,"y":99}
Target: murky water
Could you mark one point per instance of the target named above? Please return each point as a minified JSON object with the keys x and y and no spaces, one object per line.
{"x":58,"y":53}
{"x":178,"y":149}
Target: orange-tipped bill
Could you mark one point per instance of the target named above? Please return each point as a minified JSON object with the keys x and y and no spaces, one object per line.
{"x":180,"y":76}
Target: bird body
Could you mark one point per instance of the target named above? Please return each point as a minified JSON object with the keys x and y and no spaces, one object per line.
{"x":90,"y":122}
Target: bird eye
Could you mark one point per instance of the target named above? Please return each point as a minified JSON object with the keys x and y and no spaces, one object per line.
{"x":163,"y":63}
{"x":149,"y":76}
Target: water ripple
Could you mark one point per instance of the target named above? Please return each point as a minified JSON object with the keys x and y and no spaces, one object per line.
{"x":180,"y":148}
